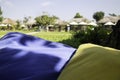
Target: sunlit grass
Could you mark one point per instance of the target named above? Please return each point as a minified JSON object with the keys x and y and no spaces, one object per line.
{"x":53,"y":36}
{"x":2,"y":33}
{"x":62,"y":37}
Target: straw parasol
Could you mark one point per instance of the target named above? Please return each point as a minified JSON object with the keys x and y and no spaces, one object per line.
{"x":82,"y":23}
{"x":109,"y":23}
{"x":3,"y":25}
{"x":73,"y":23}
{"x":92,"y":24}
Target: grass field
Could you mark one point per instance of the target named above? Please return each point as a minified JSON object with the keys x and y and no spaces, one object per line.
{"x":62,"y":37}
{"x":54,"y":36}
{"x":2,"y":33}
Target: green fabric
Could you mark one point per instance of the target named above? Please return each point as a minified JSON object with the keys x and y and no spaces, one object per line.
{"x":93,"y":62}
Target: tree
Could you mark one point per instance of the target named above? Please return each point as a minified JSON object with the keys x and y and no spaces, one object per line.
{"x":18,"y":24}
{"x":0,"y":11}
{"x":113,"y":14}
{"x":78,"y":15}
{"x":45,"y":20}
{"x":1,"y":18}
{"x":98,"y":15}
{"x":26,"y":19}
{"x":114,"y":37}
{"x":55,"y":17}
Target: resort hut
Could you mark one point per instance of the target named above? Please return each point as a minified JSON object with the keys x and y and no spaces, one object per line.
{"x":108,"y":25}
{"x":60,"y":25}
{"x":23,"y":26}
{"x":9,"y":23}
{"x":112,"y":19}
{"x":78,"y":23}
{"x":30,"y":24}
{"x":82,"y":25}
{"x":109,"y":21}
{"x":50,"y":27}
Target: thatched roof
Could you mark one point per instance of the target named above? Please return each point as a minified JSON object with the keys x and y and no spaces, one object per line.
{"x":112,"y":19}
{"x":60,"y":22}
{"x":8,"y":21}
{"x":78,"y":20}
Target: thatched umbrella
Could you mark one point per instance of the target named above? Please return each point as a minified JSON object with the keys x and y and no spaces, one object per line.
{"x":82,"y":23}
{"x":73,"y":23}
{"x":92,"y":24}
{"x":109,"y":24}
{"x":3,"y":25}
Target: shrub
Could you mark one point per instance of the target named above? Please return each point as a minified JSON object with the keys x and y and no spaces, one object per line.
{"x":97,"y":35}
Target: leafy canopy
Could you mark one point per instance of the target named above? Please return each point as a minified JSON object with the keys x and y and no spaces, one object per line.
{"x":1,"y":18}
{"x":78,"y":15}
{"x":98,"y":15}
{"x":45,"y":20}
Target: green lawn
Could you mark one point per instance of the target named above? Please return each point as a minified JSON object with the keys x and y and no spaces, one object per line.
{"x":62,"y":37}
{"x":2,"y":33}
{"x":54,"y":36}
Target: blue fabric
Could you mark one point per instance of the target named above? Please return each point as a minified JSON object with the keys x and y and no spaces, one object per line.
{"x":25,"y":57}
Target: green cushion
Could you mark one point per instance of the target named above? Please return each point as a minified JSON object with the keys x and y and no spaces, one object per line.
{"x":93,"y":62}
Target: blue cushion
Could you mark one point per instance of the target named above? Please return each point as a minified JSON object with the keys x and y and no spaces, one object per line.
{"x":25,"y":57}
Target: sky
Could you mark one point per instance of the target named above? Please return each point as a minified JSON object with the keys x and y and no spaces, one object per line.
{"x":64,"y":9}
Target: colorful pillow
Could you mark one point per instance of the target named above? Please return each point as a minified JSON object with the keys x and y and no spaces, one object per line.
{"x":93,"y":62}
